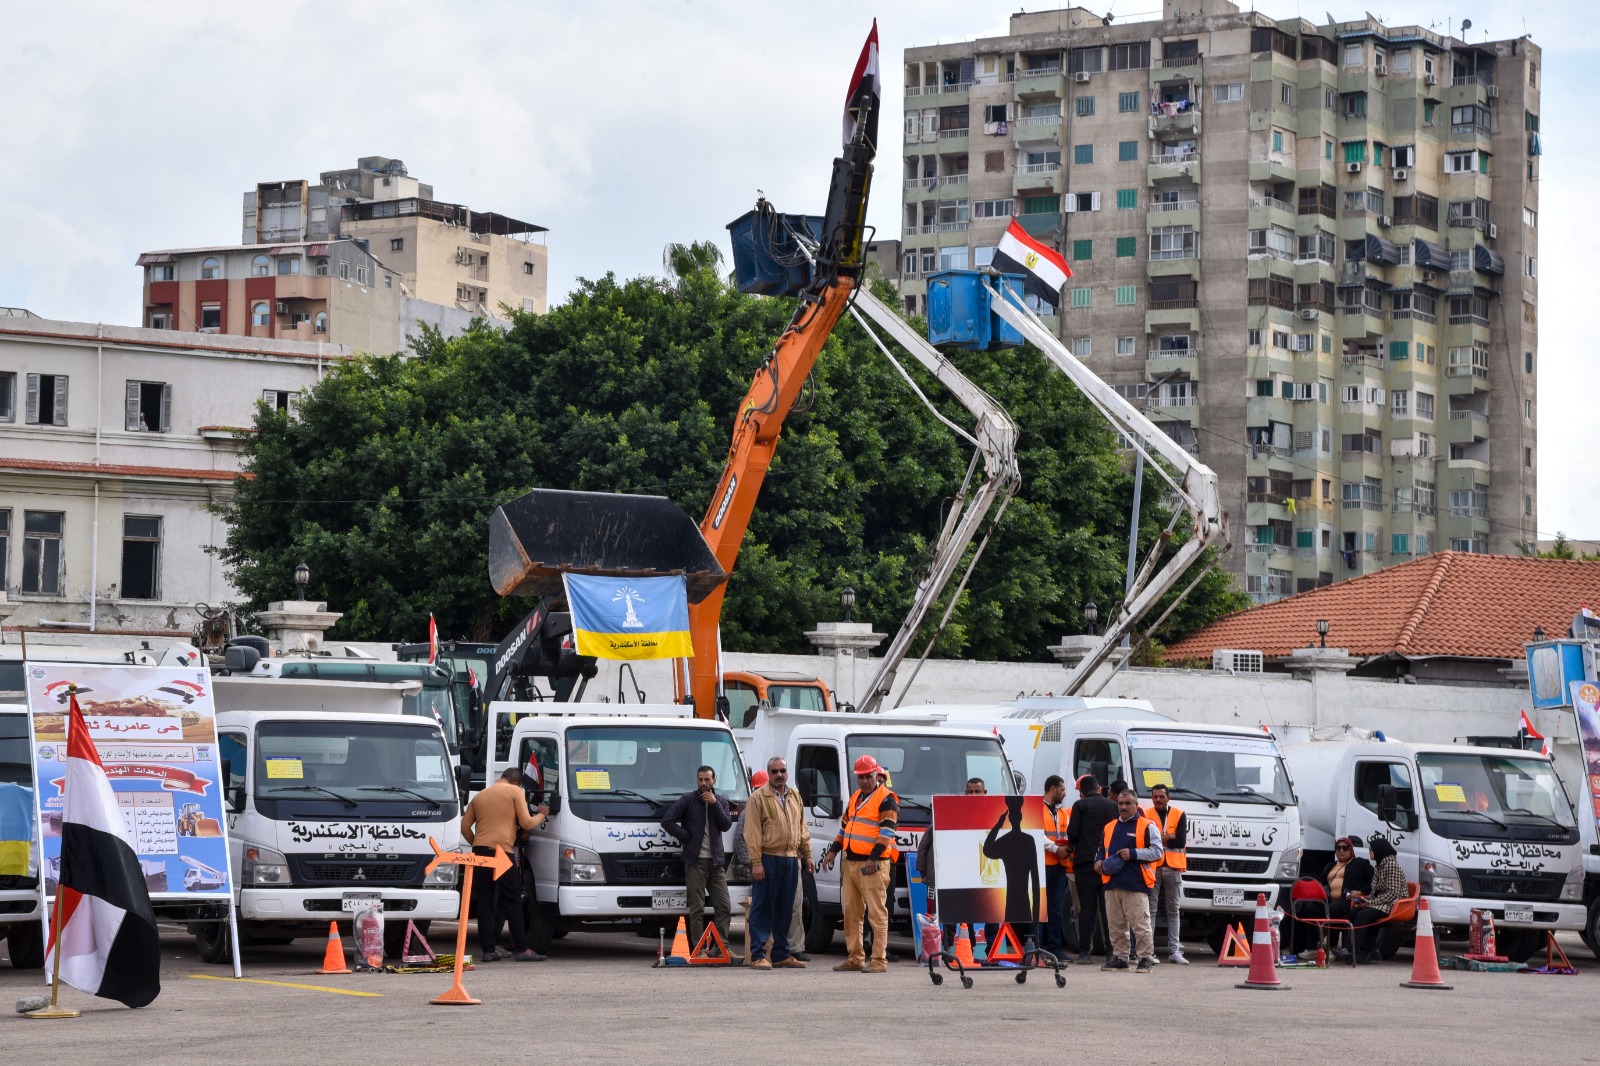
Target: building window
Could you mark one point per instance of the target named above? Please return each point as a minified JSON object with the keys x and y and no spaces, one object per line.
{"x":527,"y":268}
{"x":1127,"y":151}
{"x":397,"y":244}
{"x":1286,"y":93}
{"x":1083,"y":249}
{"x":260,"y":267}
{"x":1131,"y":57}
{"x":1080,"y":297}
{"x":1124,"y":344}
{"x":1277,"y":141}
{"x":289,"y":266}
{"x":211,"y":316}
{"x":1127,"y":102}
{"x":361,"y":274}
{"x":47,"y":400}
{"x":261,"y":313}
{"x":148,"y":407}
{"x":344,"y":271}
{"x":1127,"y":199}
{"x":953,"y":258}
{"x":1527,"y":362}
{"x":160,"y":320}
{"x":5,"y":548}
{"x":141,"y":554}
{"x":1126,"y":296}
{"x":281,"y":400}
{"x":41,"y":552}
{"x":1083,"y":347}
{"x":1082,"y":154}
{"x":1127,"y":246}
{"x":322,"y":268}
{"x":161,"y":272}
{"x":1081,"y":60}
{"x":1425,"y":405}
{"x":320,"y":323}
{"x":8,"y":403}
{"x":1229,"y":93}
{"x":1083,"y":201}
{"x":1084,"y":106}
{"x":210,"y":270}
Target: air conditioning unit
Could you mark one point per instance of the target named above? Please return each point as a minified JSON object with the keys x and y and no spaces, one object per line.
{"x":1309,"y":313}
{"x":1430,"y":79}
{"x":1381,"y":70}
{"x":1494,"y":92}
{"x":1401,"y":173}
{"x":1494,"y":232}
{"x":1385,"y":221}
{"x":283,"y":307}
{"x":1428,"y":275}
{"x":1352,"y":168}
{"x":1237,"y":662}
{"x":1082,"y":77}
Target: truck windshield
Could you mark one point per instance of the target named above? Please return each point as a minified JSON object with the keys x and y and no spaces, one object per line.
{"x":352,"y":770}
{"x":1494,"y":796}
{"x":798,"y":697}
{"x":18,"y":864}
{"x":633,"y":772}
{"x":1211,"y":767}
{"x":922,"y":766}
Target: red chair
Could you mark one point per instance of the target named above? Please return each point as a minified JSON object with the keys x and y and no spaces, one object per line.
{"x":1403,"y":909}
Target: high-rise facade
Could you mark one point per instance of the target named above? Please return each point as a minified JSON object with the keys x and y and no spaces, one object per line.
{"x":1308,"y":252}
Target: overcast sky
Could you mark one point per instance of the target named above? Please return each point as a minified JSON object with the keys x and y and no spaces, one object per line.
{"x":620,"y":127}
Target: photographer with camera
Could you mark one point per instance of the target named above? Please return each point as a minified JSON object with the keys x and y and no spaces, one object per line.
{"x":697,"y":820}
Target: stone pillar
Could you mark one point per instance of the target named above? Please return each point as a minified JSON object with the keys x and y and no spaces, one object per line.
{"x":1073,"y":649}
{"x":295,"y":627}
{"x":845,"y":644}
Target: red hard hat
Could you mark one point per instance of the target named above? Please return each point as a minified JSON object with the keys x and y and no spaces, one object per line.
{"x":758,"y":779}
{"x":866,"y":764}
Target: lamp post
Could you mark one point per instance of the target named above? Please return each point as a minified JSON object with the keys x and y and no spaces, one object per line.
{"x":302,"y":577}
{"x":1538,"y":633}
{"x":1322,"y":632}
{"x":1091,"y":615}
{"x":847,"y":601}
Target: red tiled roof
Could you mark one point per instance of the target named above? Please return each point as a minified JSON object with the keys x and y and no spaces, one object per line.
{"x":1451,"y":603}
{"x":116,"y":470}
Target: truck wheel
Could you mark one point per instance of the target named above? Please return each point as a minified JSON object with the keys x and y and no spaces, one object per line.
{"x":394,"y":937}
{"x":25,"y":941}
{"x":541,"y":926}
{"x":817,"y":923}
{"x":1518,"y":944}
{"x":214,"y":942}
{"x":1591,"y":929}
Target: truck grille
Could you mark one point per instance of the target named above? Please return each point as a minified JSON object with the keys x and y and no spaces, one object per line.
{"x":355,"y":873}
{"x":1227,"y":864}
{"x":1513,"y":886}
{"x":642,"y":870}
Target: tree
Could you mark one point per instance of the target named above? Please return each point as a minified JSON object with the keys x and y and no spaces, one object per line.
{"x":384,"y":481}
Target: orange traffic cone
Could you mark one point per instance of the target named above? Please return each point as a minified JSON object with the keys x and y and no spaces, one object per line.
{"x":1424,"y":959}
{"x":964,"y":948}
{"x":680,"y":945}
{"x":1263,"y":967}
{"x":333,"y":958}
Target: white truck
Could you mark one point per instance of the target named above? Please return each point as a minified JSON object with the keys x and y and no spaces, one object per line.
{"x":1244,"y":825}
{"x":609,"y":772}
{"x":329,"y":809}
{"x":1475,"y":827}
{"x":20,"y":909}
{"x":924,"y":758}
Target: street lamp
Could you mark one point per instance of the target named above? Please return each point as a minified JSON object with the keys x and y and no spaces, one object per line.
{"x":1538,"y":633}
{"x":1322,"y":631}
{"x":302,"y":577}
{"x":847,"y":601}
{"x":1091,"y":615}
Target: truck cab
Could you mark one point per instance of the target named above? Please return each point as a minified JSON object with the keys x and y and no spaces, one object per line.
{"x":1475,"y":827}
{"x":20,"y":907}
{"x":609,"y":772}
{"x":748,"y":689}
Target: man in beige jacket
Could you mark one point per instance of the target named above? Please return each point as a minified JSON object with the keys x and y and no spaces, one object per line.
{"x":492,"y":820}
{"x":776,"y":838}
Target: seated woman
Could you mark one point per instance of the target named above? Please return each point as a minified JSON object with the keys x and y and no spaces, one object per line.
{"x":1367,"y":909}
{"x":1347,"y":873}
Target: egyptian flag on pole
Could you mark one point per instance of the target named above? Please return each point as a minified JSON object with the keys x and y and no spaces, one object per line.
{"x":866,"y":92}
{"x":433,"y":640}
{"x":109,"y":944}
{"x":1525,"y":730}
{"x":1043,"y":269}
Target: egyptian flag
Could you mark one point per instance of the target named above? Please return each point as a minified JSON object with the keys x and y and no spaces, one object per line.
{"x":109,"y":944}
{"x":1043,"y":269}
{"x":433,"y":640}
{"x":1525,"y":729}
{"x":866,"y":92}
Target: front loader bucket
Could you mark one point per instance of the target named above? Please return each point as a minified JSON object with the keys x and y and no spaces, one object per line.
{"x":538,"y":536}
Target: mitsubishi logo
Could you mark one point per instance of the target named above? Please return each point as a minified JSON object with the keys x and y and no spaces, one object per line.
{"x":1223,"y":868}
{"x":359,"y":875}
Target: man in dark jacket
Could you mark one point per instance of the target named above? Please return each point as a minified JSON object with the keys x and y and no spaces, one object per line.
{"x":1086,"y":827}
{"x":697,"y":820}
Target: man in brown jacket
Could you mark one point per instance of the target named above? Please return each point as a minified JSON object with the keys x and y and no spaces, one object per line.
{"x":776,"y":838}
{"x":491,"y":820}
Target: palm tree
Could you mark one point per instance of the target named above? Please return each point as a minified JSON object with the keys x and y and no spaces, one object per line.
{"x":682,"y":260}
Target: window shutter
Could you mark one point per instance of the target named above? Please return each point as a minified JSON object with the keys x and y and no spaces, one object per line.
{"x":1094,"y":201}
{"x":32,"y":415}
{"x":166,"y":408}
{"x":294,"y":402}
{"x":60,"y":414}
{"x":1071,"y":203}
{"x":130,"y":406}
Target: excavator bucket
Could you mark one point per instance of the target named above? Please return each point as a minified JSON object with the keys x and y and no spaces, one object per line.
{"x":545,"y":533}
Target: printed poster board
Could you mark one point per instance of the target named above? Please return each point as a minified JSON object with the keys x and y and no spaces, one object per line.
{"x":1586,"y":704}
{"x":155,"y":730}
{"x":988,"y":859}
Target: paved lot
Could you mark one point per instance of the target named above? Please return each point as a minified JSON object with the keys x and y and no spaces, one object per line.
{"x":600,"y":1001}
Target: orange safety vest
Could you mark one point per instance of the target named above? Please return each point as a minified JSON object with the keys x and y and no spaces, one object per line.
{"x":1176,"y":858}
{"x":860,"y":831}
{"x":1148,"y":869}
{"x":1058,"y":836}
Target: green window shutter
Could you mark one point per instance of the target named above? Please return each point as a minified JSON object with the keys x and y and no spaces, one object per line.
{"x":1399,"y":349}
{"x":1288,"y":390}
{"x":1427,"y":110}
{"x":1327,"y":149}
{"x":1083,"y":249}
{"x":1080,"y":297}
{"x":1277,"y":141}
{"x":1400,"y":543}
{"x":1083,"y":154}
{"x":1127,"y":199}
{"x":1041,"y":205}
{"x":1127,"y":101}
{"x":1126,"y":295}
{"x":1483,"y":162}
{"x":1305,"y":538}
{"x":1085,"y":106}
{"x":1264,"y":387}
{"x":1377,"y":155}
{"x":1127,"y":247}
{"x":1127,"y":151}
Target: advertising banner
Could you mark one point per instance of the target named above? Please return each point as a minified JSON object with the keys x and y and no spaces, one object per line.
{"x":155,"y":731}
{"x":1585,"y":698}
{"x":989,"y":859}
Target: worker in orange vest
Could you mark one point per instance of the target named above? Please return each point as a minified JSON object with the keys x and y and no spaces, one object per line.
{"x":1059,"y":935}
{"x":1126,"y":863}
{"x":866,"y":837}
{"x":1174,"y":861}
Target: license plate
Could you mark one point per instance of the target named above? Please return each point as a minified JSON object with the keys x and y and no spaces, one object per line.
{"x":1519,"y":914}
{"x":668,"y":900}
{"x":1227,"y":899}
{"x":355,"y":901}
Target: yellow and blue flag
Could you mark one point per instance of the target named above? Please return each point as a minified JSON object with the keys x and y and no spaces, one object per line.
{"x":630,"y":618}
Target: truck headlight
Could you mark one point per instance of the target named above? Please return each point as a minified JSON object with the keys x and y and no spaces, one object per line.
{"x":1289,"y":865}
{"x":264,"y":868}
{"x":1572,"y":891}
{"x":444,"y":876}
{"x":580,"y":866}
{"x":1439,"y":879}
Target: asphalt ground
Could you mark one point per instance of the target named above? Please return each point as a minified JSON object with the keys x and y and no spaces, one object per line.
{"x":599,"y":1000}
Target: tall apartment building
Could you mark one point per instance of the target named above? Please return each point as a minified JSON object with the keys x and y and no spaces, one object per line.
{"x":1308,"y":252}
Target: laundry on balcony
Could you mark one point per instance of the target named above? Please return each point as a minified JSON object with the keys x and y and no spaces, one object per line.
{"x":1535,"y":147}
{"x":1168,"y":108}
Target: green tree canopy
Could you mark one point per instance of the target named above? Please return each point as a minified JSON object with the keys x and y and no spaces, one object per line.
{"x":384,"y":480}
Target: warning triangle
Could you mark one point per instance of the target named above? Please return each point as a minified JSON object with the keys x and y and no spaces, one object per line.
{"x":1235,"y":948}
{"x":427,"y":955}
{"x":1005,"y":947}
{"x":710,"y":950}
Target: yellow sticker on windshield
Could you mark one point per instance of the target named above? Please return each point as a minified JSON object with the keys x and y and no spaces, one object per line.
{"x":598,"y":780}
{"x":1157,"y":777}
{"x":285,"y":769}
{"x":1450,"y":793}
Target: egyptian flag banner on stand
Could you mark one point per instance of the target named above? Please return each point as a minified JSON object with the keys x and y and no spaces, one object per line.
{"x":866,"y":90}
{"x":109,"y":944}
{"x":1043,"y":269}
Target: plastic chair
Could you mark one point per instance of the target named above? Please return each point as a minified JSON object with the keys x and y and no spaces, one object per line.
{"x":1403,"y":909}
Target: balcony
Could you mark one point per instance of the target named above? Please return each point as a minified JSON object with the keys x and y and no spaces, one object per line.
{"x":1175,"y":159}
{"x":1037,"y":177}
{"x":951,"y":88}
{"x":1040,"y":81}
{"x":1165,"y":206}
{"x":950,"y":227}
{"x":1179,"y":120}
{"x":953,"y":140}
{"x":1176,"y":63}
{"x":1372,"y":360}
{"x":1272,"y":204}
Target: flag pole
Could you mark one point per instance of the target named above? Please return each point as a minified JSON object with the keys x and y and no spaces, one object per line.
{"x":54,"y":1010}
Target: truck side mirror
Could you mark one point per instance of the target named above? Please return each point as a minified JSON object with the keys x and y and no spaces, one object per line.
{"x":1392,"y":811}
{"x":1019,"y":782}
{"x":553,"y":799}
